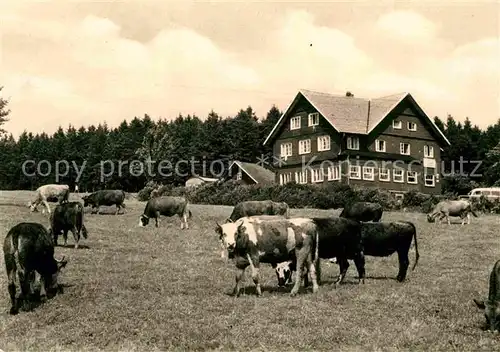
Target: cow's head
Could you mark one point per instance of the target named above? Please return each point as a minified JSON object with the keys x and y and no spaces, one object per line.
{"x":430,"y":218}
{"x":87,"y":200}
{"x":32,"y":206}
{"x":227,"y":236}
{"x":51,"y":285}
{"x":284,"y":273}
{"x":143,"y":220}
{"x":491,"y":313}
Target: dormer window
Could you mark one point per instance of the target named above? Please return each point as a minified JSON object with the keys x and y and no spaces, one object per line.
{"x":295,"y":123}
{"x":397,"y":125}
{"x":353,"y":143}
{"x":314,"y":119}
{"x":380,"y":145}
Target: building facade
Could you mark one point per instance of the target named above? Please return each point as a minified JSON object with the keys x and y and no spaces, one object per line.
{"x":386,"y":143}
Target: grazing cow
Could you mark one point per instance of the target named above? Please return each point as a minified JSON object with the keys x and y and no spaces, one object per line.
{"x":492,"y":306}
{"x":28,"y":248}
{"x":362,"y":211}
{"x":338,"y":237}
{"x":447,"y":208}
{"x":252,"y":241}
{"x":257,"y":207}
{"x":167,"y":206}
{"x":68,"y":217}
{"x":106,"y":197}
{"x":379,"y":240}
{"x":52,"y":192}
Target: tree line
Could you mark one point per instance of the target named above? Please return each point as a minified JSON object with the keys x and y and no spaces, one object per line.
{"x":143,"y":140}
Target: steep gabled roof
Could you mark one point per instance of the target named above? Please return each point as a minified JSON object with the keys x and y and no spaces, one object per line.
{"x":259,"y":174}
{"x":350,"y":114}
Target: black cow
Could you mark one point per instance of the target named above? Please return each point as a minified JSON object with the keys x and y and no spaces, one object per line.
{"x":492,"y":306}
{"x":362,"y":211}
{"x":68,"y":217}
{"x":258,"y":207}
{"x":28,"y":248}
{"x":166,"y":206}
{"x":106,"y":197}
{"x":379,"y":240}
{"x":338,"y":237}
{"x":384,"y":239}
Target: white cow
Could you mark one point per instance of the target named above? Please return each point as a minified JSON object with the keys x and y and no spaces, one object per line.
{"x":51,"y":191}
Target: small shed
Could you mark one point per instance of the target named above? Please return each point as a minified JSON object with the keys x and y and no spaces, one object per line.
{"x":195,"y":181}
{"x":250,"y":173}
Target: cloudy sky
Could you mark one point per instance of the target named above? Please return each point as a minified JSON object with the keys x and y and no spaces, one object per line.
{"x":81,"y":62}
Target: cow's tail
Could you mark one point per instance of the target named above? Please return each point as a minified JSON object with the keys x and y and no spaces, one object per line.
{"x":417,"y":255}
{"x":84,"y":232}
{"x":83,"y":228}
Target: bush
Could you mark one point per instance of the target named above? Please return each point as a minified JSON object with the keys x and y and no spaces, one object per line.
{"x":324,"y":196}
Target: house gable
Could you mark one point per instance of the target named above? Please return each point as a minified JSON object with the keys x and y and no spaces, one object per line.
{"x":302,"y":106}
{"x":407,"y":110}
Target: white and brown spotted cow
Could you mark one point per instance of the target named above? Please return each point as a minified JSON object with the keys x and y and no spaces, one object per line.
{"x":251,"y":241}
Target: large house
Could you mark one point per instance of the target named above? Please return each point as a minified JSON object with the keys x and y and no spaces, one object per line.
{"x":387,"y":143}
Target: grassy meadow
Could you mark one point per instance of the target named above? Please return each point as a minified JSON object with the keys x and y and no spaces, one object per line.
{"x":147,"y":289}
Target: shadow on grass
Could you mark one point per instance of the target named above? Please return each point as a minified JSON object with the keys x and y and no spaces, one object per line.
{"x":80,"y":246}
{"x":104,"y":213}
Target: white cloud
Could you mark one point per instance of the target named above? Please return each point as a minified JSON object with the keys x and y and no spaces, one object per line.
{"x":407,"y":26}
{"x":63,"y":70}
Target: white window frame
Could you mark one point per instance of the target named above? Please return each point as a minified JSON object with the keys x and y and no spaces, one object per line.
{"x":411,"y":174}
{"x":433,"y":180}
{"x":358,"y":172}
{"x":377,"y":141}
{"x":353,"y":143}
{"x":317,"y":175}
{"x":295,"y":122}
{"x":301,"y":177}
{"x":401,"y":149}
{"x":285,"y":178}
{"x":428,"y":151}
{"x":372,"y":172}
{"x":311,"y":117}
{"x":387,"y":172}
{"x":304,"y":143}
{"x":333,"y":173}
{"x":396,"y":175}
{"x":324,"y":143}
{"x":411,"y":124}
{"x":239,"y":175}
{"x":397,"y":124}
{"x":287,"y":151}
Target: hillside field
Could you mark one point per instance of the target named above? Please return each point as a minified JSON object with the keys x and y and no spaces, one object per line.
{"x":148,"y":289}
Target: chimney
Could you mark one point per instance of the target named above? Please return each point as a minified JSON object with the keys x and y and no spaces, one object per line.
{"x":349,"y":94}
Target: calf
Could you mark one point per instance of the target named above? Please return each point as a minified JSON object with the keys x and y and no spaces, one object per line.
{"x":52,"y":192}
{"x":362,"y":211}
{"x":167,"y":206}
{"x":68,"y":217}
{"x":446,"y":208}
{"x":106,"y":197}
{"x":492,"y":306}
{"x":28,"y":248}
{"x":254,"y":241}
{"x":255,"y":207}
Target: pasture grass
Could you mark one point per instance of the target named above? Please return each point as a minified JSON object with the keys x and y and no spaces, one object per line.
{"x":149,"y":289}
